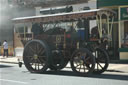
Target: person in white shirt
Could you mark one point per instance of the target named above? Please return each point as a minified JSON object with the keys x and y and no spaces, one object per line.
{"x":5,"y":45}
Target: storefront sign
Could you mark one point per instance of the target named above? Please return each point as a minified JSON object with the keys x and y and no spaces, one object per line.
{"x":124,"y":13}
{"x":108,"y":3}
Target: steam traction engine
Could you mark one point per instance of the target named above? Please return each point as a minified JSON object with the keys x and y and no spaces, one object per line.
{"x":54,"y":50}
{"x":54,"y":47}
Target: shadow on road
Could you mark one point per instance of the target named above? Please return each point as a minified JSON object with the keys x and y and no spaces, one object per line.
{"x":111,"y":76}
{"x":102,"y":76}
{"x":5,"y":66}
{"x":115,"y":71}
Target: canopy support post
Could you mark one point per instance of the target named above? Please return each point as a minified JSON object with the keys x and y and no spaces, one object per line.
{"x":108,"y":24}
{"x":100,"y":25}
{"x":24,"y":32}
{"x":112,"y":25}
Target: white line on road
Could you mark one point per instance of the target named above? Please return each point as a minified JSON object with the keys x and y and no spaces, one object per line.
{"x":13,"y":81}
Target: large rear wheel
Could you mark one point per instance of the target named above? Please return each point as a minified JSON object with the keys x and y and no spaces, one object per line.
{"x":36,"y":56}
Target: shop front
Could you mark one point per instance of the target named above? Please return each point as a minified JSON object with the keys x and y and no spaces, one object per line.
{"x":119,"y":45}
{"x":123,"y":35}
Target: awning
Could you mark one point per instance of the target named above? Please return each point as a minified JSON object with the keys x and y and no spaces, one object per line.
{"x":63,"y":16}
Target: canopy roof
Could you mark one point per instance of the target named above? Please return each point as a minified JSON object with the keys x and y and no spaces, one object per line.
{"x":63,"y":16}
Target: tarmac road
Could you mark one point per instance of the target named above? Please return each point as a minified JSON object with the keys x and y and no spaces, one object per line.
{"x":11,"y":74}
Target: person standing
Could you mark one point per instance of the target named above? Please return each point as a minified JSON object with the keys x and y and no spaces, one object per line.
{"x":5,"y":45}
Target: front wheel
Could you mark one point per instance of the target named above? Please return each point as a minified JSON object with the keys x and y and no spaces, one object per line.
{"x":102,"y":60}
{"x":79,"y":60}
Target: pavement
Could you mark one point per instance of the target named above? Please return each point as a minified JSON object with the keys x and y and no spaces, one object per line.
{"x":9,"y":59}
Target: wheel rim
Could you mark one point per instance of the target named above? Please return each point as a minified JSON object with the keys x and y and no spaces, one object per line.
{"x":80,"y":60}
{"x":35,"y":56}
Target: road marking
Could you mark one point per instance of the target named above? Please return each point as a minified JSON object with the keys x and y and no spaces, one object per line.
{"x":13,"y":81}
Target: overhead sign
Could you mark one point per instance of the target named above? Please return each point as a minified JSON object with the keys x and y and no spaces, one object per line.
{"x":124,"y":13}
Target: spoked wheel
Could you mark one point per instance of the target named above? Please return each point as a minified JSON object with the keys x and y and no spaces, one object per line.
{"x":58,"y":61}
{"x":102,"y":60}
{"x":80,"y":58}
{"x":36,"y":56}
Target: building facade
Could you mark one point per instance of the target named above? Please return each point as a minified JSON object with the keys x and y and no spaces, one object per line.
{"x":10,"y":9}
{"x":6,"y":27}
{"x":120,"y":28}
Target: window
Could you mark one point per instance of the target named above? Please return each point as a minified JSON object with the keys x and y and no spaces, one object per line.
{"x":125,"y":35}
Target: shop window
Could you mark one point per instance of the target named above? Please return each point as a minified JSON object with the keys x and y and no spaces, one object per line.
{"x":21,"y":30}
{"x":125,"y":39}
